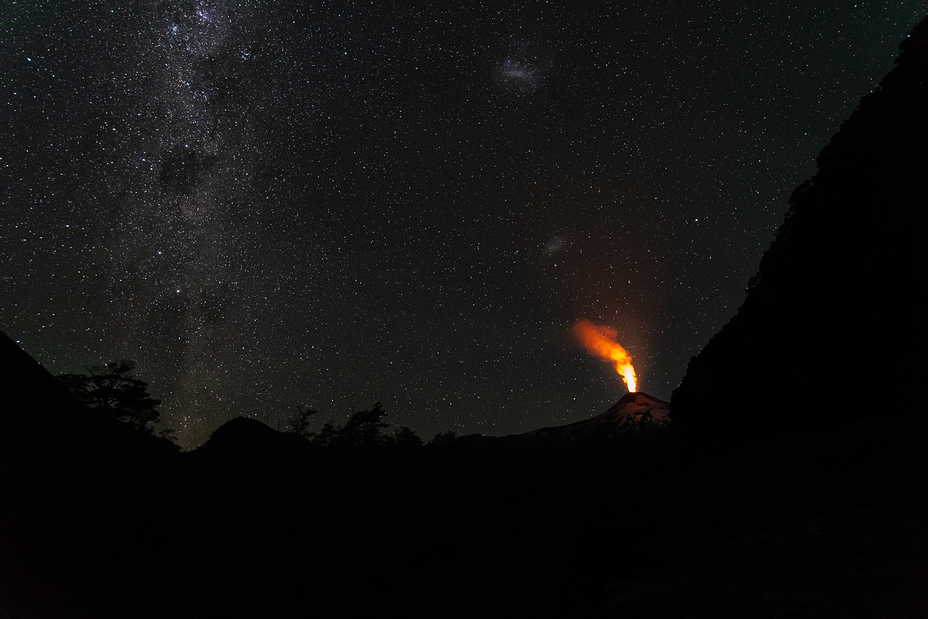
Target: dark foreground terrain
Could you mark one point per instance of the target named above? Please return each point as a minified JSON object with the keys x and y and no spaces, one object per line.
{"x":97,"y":523}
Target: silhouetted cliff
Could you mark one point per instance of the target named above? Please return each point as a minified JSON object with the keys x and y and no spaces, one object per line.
{"x":832,"y":318}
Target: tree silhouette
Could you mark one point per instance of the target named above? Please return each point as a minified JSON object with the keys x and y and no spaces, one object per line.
{"x":298,"y":421}
{"x":407,"y":439}
{"x":113,"y":390}
{"x":364,"y":428}
{"x":328,"y":435}
{"x":444,"y":438}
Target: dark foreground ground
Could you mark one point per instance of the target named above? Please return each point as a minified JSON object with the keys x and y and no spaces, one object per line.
{"x":815,"y":526}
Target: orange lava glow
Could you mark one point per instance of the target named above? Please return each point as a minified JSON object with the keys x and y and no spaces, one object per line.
{"x":600,"y":341}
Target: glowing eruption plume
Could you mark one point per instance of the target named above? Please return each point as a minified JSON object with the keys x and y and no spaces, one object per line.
{"x":601,"y":341}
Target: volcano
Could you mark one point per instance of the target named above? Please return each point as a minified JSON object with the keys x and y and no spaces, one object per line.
{"x":631,"y":408}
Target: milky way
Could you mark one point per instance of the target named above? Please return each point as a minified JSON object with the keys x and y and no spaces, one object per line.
{"x":278,"y":204}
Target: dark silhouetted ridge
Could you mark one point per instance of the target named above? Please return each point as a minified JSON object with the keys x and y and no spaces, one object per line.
{"x":833,"y":315}
{"x":70,"y":479}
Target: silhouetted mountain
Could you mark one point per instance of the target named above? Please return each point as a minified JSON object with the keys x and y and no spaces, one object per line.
{"x":834,"y":312}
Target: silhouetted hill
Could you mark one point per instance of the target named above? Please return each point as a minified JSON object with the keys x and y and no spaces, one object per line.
{"x":834,"y":313}
{"x":247,"y":444}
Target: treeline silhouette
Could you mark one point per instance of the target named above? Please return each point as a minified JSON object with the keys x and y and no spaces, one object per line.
{"x":364,"y":430}
{"x":113,"y":390}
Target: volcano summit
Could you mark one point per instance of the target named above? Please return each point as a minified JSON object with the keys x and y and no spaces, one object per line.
{"x":633,"y":409}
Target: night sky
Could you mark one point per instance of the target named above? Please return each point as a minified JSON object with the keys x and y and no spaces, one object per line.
{"x":272,"y":204}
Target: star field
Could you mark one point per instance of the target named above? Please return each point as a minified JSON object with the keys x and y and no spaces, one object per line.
{"x":278,"y":204}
